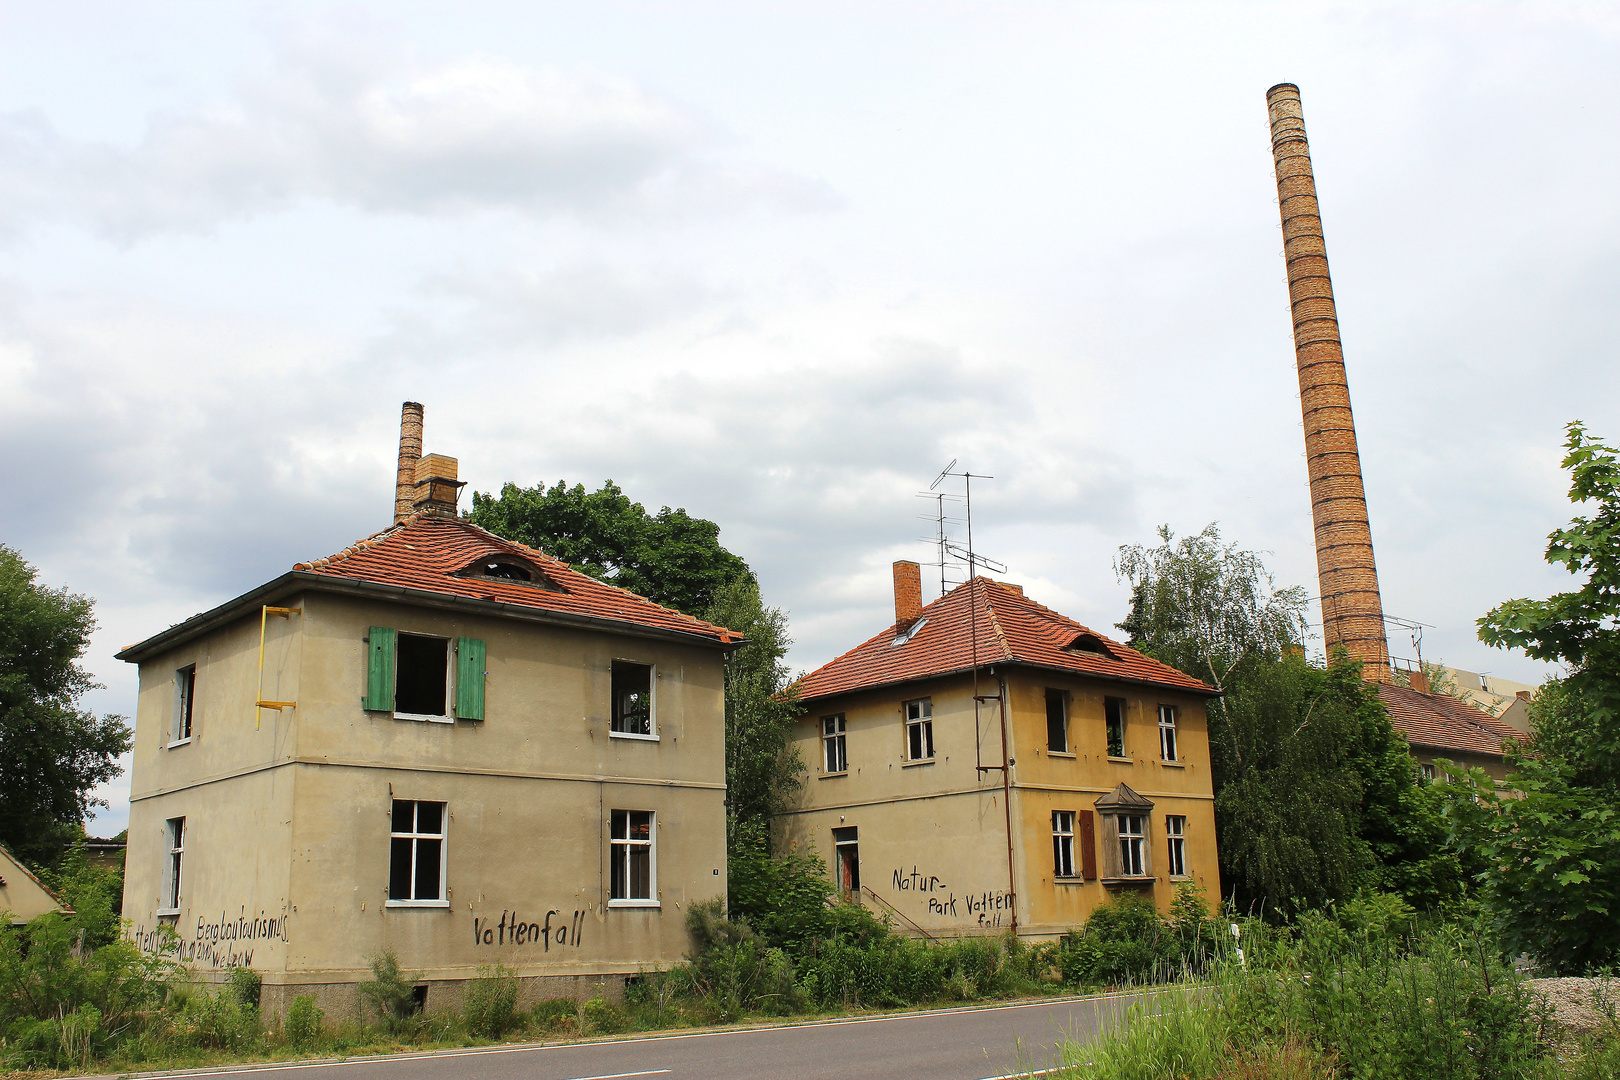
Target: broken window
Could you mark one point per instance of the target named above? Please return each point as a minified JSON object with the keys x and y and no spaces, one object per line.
{"x":846,"y":844}
{"x":1057,"y":721}
{"x":185,"y":701}
{"x":1063,"y":843}
{"x":416,"y":858}
{"x":1130,"y":844}
{"x":174,"y":831}
{"x":834,"y":756}
{"x":1114,"y":709}
{"x":422,"y":687}
{"x":632,"y":699}
{"x":1175,"y":831}
{"x":631,"y":841}
{"x":920,"y":729}
{"x":507,"y":571}
{"x":1167,"y":733}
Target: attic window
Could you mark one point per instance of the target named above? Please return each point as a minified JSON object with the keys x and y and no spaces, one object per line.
{"x":908,"y":633}
{"x":506,"y":568}
{"x":1089,"y":643}
{"x":507,"y":571}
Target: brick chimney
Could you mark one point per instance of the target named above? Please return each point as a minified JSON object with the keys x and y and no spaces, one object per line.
{"x":907,"y":594}
{"x":437,"y":488}
{"x":410,"y":452}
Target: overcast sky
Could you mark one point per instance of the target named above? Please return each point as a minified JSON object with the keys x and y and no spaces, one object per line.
{"x":777,"y":264}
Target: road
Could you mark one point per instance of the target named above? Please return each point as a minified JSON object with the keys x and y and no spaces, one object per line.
{"x":956,"y":1044}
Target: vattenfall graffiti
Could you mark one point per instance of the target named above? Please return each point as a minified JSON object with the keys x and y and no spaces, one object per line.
{"x":988,"y":906}
{"x":512,"y":930}
{"x":218,"y":944}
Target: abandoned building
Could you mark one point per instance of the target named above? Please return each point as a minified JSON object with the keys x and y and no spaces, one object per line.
{"x":986,"y":764}
{"x":22,"y":895}
{"x":435,"y":742}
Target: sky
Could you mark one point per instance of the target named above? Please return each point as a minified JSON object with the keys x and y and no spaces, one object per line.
{"x":780,"y":263}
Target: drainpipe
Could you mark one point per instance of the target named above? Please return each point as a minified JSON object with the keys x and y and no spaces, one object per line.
{"x":1006,"y":799}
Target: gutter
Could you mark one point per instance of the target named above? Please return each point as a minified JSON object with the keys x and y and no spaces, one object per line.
{"x":1208,"y":692}
{"x":304,"y":581}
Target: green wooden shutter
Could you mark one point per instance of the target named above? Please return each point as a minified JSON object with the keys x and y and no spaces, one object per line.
{"x":380,"y":652}
{"x":470,"y":654}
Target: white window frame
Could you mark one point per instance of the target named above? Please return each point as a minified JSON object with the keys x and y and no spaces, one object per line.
{"x":449,"y":681}
{"x":1063,"y":844}
{"x":1175,"y":833}
{"x":1167,"y":733}
{"x":174,"y":831}
{"x":1132,"y":838}
{"x":834,"y":745}
{"x":1427,"y":771}
{"x":615,"y":844}
{"x":923,"y":721}
{"x":651,"y":735}
{"x":185,"y":705}
{"x":442,"y":836}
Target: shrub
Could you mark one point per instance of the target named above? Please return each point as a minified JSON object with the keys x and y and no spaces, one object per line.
{"x":490,"y":1008}
{"x":556,"y":1014}
{"x":304,"y":1020}
{"x":245,"y":985}
{"x":391,"y":995}
{"x":600,"y":1016}
{"x":1124,"y":941}
{"x":732,"y":970}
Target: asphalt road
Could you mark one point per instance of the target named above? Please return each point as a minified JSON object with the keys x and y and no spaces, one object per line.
{"x":959,"y":1044}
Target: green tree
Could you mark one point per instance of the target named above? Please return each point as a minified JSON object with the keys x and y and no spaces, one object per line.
{"x":669,"y":557}
{"x":53,"y":754}
{"x":1552,"y":857}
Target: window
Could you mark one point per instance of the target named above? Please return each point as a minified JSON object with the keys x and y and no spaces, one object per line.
{"x":175,"y":832}
{"x":834,"y":755}
{"x":416,"y":855}
{"x":423,"y":687}
{"x":1057,"y":721}
{"x":631,"y":840}
{"x":1175,"y":831}
{"x":1114,"y":709}
{"x":185,"y":702}
{"x":1130,"y":845}
{"x":846,"y":843}
{"x":1063,"y":843}
{"x":1167,"y":732}
{"x":920,"y":729}
{"x":632,"y":699}
{"x":1426,"y":772}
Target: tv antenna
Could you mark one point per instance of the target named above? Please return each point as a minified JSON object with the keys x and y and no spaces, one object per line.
{"x":953,"y":555}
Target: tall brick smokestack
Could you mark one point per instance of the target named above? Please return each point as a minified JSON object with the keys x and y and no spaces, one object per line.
{"x":1352,"y":613}
{"x":410,"y":452}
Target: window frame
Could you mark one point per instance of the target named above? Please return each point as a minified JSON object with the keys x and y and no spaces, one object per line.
{"x":174,"y":830}
{"x":1175,"y":835}
{"x":1108,"y":725}
{"x":651,"y":734}
{"x":847,"y":857}
{"x":1063,"y":837}
{"x":183,"y":724}
{"x":1133,"y":861}
{"x":923,"y":723}
{"x":1168,"y":742}
{"x":442,"y":836}
{"x":1061,"y":697}
{"x":629,"y":843}
{"x":449,"y":715}
{"x":834,"y":739}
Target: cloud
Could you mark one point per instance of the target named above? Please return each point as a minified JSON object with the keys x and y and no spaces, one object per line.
{"x":379,"y":132}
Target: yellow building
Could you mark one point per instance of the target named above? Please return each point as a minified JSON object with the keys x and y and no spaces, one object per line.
{"x":22,"y":895}
{"x":987,"y":764}
{"x":435,"y":742}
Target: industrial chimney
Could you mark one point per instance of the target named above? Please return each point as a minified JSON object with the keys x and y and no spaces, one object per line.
{"x":410,"y":452}
{"x":1352,"y":613}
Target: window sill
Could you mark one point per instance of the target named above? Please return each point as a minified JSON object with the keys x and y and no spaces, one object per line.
{"x":1122,"y":760}
{"x":832,"y":775}
{"x":634,"y":904}
{"x":428,"y":717}
{"x":1181,"y":877}
{"x":1143,"y":879}
{"x":168,"y":912}
{"x":179,"y":742}
{"x":914,"y":764}
{"x":416,"y":904}
{"x":1074,"y":880}
{"x":632,"y":735}
{"x":1174,"y":764}
{"x":1060,"y":753}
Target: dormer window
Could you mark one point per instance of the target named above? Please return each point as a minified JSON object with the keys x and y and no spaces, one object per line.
{"x":508,"y":571}
{"x":1089,"y":643}
{"x":506,"y":568}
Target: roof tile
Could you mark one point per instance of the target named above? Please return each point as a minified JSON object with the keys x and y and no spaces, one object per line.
{"x":1442,"y":722}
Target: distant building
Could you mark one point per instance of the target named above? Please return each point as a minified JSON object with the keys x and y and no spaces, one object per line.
{"x":1441,"y":726}
{"x":1106,"y":787}
{"x":23,"y":895}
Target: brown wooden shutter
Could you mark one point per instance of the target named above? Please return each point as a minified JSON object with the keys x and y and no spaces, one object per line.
{"x":1088,"y":846}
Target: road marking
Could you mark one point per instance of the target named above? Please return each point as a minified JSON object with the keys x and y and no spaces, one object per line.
{"x":273,"y":1067}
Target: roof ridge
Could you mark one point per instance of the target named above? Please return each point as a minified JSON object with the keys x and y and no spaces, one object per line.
{"x":361,"y":545}
{"x":995,"y":622}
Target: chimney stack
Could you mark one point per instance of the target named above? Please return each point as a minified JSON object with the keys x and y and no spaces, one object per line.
{"x":437,"y":488}
{"x":1352,"y":612}
{"x":907,"y":594}
{"x":410,"y":452}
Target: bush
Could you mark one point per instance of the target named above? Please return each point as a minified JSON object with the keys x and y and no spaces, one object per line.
{"x":556,"y":1014}
{"x":245,"y":985}
{"x":732,"y":970}
{"x":600,"y":1016}
{"x":391,"y":995}
{"x":304,"y":1021}
{"x":217,"y":1021}
{"x":490,"y":1007}
{"x":1124,"y":941}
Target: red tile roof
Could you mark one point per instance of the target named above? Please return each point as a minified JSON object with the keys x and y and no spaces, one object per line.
{"x":425,"y":551}
{"x":979,"y":623}
{"x":1442,"y":722}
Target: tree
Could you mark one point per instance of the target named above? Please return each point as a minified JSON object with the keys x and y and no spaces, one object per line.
{"x":670,"y":557}
{"x":53,"y":754}
{"x":1552,"y":857}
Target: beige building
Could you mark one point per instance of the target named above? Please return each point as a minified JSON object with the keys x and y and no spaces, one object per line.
{"x":435,"y":742}
{"x":22,"y":895}
{"x":987,"y":764}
